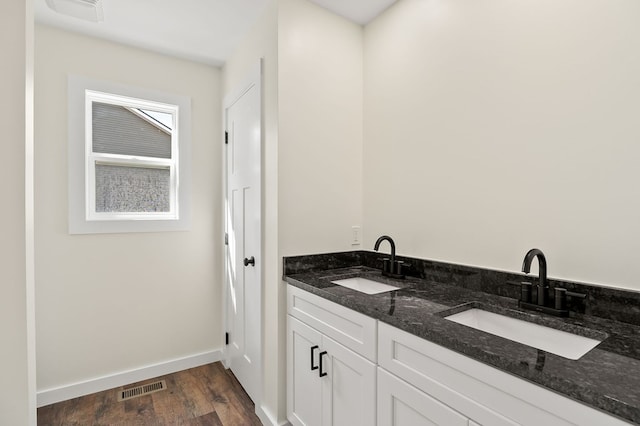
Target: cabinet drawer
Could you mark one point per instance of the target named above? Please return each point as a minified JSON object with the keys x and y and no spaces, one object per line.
{"x":400,"y":404}
{"x":352,"y":329}
{"x":478,"y":391}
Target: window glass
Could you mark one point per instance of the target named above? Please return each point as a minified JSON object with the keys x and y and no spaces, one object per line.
{"x":132,"y":189}
{"x":129,"y":131}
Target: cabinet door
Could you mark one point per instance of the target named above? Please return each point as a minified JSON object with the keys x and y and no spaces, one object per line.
{"x":351,"y":329}
{"x":401,"y":404}
{"x":349,"y":387}
{"x":304,"y":387}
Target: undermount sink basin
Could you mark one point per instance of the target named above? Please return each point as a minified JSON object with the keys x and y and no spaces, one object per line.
{"x":364,"y":285}
{"x":548,"y":339}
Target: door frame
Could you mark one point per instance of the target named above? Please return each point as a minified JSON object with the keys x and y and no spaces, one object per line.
{"x":253,"y":79}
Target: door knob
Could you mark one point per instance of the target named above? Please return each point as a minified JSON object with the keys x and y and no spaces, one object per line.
{"x":251,"y":261}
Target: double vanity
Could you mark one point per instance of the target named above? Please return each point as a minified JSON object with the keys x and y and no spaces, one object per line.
{"x":455,"y":345}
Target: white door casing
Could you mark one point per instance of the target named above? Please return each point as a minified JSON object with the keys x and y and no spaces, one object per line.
{"x":243,"y":266}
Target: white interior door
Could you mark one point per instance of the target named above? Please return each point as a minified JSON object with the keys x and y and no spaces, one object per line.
{"x":243,"y":227}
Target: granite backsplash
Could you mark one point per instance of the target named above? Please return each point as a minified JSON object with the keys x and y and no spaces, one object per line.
{"x":604,"y":302}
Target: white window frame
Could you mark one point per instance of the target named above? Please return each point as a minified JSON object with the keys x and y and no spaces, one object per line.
{"x":83,"y":218}
{"x":94,"y":158}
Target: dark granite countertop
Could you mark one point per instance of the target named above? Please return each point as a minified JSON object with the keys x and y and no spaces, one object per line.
{"x":606,"y":378}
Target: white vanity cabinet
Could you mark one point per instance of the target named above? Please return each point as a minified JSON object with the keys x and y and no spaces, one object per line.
{"x":476,"y":391}
{"x":329,"y":383}
{"x":377,"y":374}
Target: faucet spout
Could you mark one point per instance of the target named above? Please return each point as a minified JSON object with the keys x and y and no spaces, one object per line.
{"x":542,"y":272}
{"x":393,"y":247}
{"x":393,"y":268}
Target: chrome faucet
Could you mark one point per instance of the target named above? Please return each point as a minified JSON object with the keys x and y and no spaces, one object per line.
{"x":393,"y":268}
{"x":542,"y":272}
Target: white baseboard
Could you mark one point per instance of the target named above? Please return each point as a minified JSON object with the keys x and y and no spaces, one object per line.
{"x":267,"y":418}
{"x":63,"y":393}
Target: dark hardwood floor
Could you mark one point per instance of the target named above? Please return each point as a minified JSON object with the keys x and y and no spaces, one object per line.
{"x":207,"y":395}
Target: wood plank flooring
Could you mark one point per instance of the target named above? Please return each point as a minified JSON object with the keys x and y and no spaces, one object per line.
{"x":203,"y":396}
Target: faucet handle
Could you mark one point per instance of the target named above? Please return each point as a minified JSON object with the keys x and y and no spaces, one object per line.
{"x":386,"y":265}
{"x":560,"y":298}
{"x":576,"y":295}
{"x":525,"y":291}
{"x":577,"y":301}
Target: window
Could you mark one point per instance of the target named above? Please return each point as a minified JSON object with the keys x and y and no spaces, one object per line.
{"x":128,"y":152}
{"x":131,"y":158}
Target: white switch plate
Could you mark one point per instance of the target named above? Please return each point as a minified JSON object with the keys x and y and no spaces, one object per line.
{"x":355,"y":235}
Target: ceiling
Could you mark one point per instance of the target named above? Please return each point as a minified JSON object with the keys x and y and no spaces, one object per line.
{"x":200,"y":30}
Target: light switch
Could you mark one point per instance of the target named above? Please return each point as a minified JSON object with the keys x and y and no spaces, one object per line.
{"x":355,"y":235}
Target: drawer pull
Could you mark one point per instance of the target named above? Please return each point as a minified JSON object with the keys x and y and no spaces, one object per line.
{"x":313,"y":348}
{"x":322,"y":373}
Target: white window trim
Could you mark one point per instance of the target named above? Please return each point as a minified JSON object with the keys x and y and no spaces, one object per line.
{"x":82,"y":216}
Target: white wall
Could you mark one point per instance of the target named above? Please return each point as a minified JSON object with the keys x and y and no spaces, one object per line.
{"x":312,"y":151}
{"x":116,"y":302}
{"x":17,"y":357}
{"x":493,"y":127}
{"x":319,"y":134}
{"x":320,"y":128}
{"x":262,"y":42}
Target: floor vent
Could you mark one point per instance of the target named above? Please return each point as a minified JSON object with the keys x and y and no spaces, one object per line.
{"x":125,"y":394}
